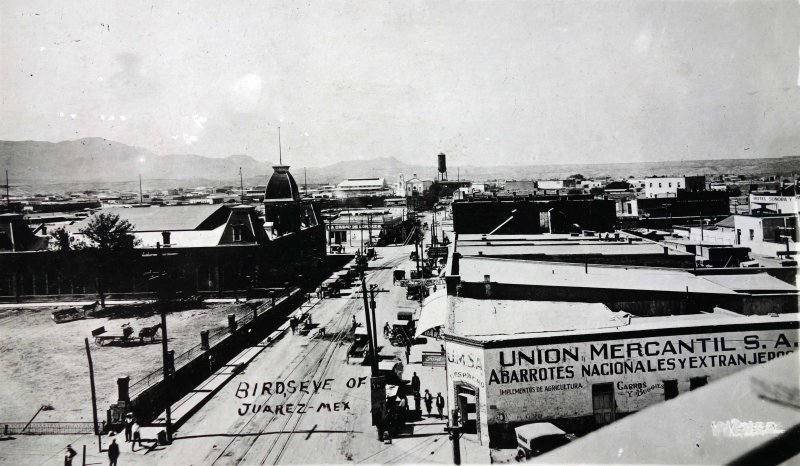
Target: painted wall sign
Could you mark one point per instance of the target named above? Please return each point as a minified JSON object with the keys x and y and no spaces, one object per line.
{"x":552,"y":381}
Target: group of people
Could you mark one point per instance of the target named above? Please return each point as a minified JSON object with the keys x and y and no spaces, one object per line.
{"x":132,"y":434}
{"x":427,"y":397}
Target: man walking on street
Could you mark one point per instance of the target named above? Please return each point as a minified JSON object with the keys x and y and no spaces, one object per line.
{"x":415,"y":385}
{"x":408,"y":352}
{"x":428,"y":401}
{"x":113,"y":452}
{"x":70,"y":454}
{"x":386,"y":330}
{"x":440,"y":404}
{"x":128,"y":422}
{"x":137,"y":436}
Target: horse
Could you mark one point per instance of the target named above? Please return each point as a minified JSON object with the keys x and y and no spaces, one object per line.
{"x":90,"y":307}
{"x":149,"y":332}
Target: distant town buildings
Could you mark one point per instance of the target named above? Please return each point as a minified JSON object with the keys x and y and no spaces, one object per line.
{"x":669,"y":186}
{"x":359,"y":187}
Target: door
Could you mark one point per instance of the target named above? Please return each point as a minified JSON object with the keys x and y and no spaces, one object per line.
{"x":467,"y":405}
{"x":670,"y":389}
{"x":697,"y":382}
{"x":603,"y":404}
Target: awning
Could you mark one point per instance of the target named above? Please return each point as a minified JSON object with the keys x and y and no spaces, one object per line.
{"x":434,"y":311}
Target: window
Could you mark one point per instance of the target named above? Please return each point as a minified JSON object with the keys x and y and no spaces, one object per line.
{"x":752,"y":234}
{"x":651,"y":185}
{"x":603,"y":403}
{"x":697,"y":382}
{"x":670,"y":389}
{"x":659,"y":185}
{"x":670,"y":184}
{"x":679,"y":184}
{"x":237,"y":233}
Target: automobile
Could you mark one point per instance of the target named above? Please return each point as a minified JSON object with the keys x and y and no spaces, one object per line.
{"x":538,"y":438}
{"x":402,"y":332}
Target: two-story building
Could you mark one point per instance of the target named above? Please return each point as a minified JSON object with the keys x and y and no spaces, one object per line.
{"x":669,"y":186}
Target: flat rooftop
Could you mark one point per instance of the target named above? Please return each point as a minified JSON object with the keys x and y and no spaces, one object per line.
{"x":716,"y":424}
{"x":748,"y":283}
{"x":486,"y":320}
{"x":553,"y":248}
{"x":550,"y":274}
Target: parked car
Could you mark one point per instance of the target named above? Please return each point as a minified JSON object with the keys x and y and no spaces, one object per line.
{"x":538,"y":438}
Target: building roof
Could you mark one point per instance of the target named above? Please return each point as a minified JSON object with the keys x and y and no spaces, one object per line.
{"x":158,"y":219}
{"x":499,"y":319}
{"x":281,"y":186}
{"x":16,"y":235}
{"x":564,"y":248}
{"x":716,"y":424}
{"x":537,"y":273}
{"x":748,"y":283}
{"x":727,"y":222}
{"x":510,"y":322}
{"x":184,"y":239}
{"x":362,"y":183}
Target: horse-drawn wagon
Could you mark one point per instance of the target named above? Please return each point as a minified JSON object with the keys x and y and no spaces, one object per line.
{"x":103,"y":337}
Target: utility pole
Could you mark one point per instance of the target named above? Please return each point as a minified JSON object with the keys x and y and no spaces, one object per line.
{"x":373,"y":356}
{"x":159,"y":278}
{"x":455,"y":435}
{"x":377,"y":382}
{"x":94,"y":396}
{"x":241,"y":184}
{"x":8,"y":195}
{"x":372,"y":289}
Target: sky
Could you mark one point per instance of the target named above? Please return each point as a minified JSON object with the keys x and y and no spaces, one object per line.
{"x":486,"y":82}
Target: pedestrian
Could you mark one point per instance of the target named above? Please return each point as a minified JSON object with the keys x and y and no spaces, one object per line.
{"x":415,"y":385}
{"x":128,"y":422}
{"x":416,"y":403}
{"x":440,"y":404}
{"x":355,"y":324}
{"x":70,"y":454}
{"x":137,"y":436}
{"x":387,"y":331}
{"x":441,"y":348}
{"x":428,"y":401}
{"x":408,"y":353}
{"x":293,"y":324}
{"x":113,"y":452}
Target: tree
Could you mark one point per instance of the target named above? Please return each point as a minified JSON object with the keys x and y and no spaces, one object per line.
{"x":109,"y":238}
{"x":577,"y":177}
{"x":108,"y":232}
{"x":62,"y":240}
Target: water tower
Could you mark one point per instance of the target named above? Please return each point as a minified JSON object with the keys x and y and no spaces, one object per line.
{"x":442,"y":166}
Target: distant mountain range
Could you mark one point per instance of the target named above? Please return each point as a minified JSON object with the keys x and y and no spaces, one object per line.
{"x":97,"y":162}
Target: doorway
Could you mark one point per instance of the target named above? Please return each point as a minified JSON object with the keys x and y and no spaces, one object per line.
{"x":603,"y":404}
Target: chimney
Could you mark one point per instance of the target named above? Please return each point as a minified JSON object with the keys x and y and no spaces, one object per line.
{"x":165,"y":238}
